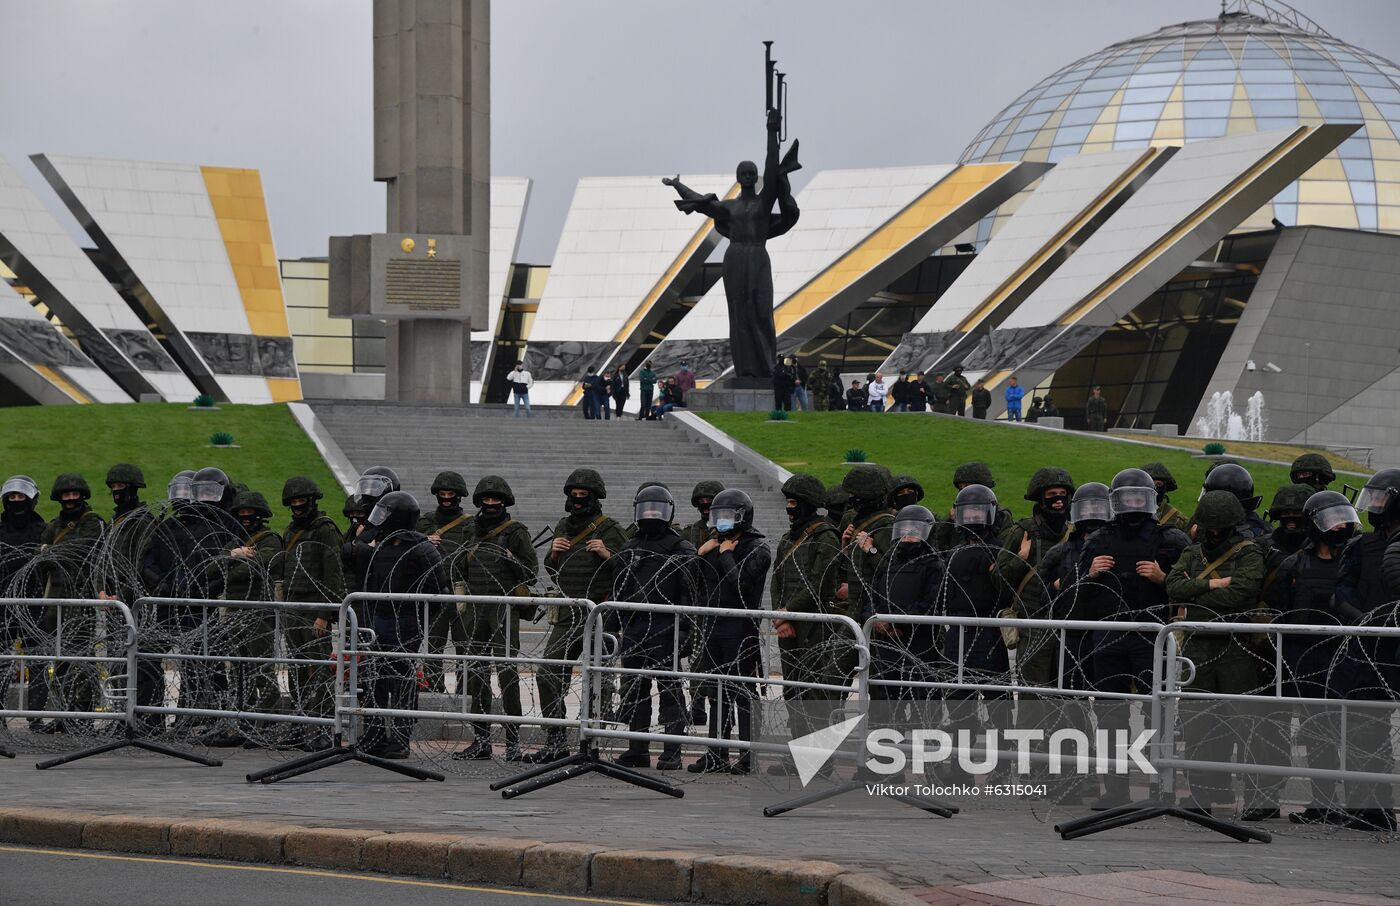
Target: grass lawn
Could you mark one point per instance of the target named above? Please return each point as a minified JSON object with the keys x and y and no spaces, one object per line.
{"x":930,"y":447}
{"x":164,"y":438}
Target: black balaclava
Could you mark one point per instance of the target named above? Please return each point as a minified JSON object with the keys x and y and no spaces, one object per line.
{"x":1290,"y":533}
{"x":72,"y":509}
{"x":651,"y":528}
{"x":798,"y":512}
{"x":303,"y":514}
{"x":906,"y":496}
{"x":581,"y":506}
{"x":252,"y":522}
{"x":1215,"y":542}
{"x":703,"y":507}
{"x":1130,"y":524}
{"x":17,"y":508}
{"x":1054,"y":510}
{"x":449,"y":503}
{"x":493,"y":513}
{"x":127,"y":499}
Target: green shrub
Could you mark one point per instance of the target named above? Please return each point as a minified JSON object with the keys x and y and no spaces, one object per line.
{"x":221,"y":439}
{"x":204,"y":400}
{"x":855,"y":454}
{"x":778,"y":415}
{"x":1214,"y":448}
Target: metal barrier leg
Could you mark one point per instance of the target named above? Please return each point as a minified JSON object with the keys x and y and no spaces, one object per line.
{"x":941,"y":809}
{"x":1146,"y":811}
{"x":586,"y":761}
{"x":131,"y":741}
{"x":6,"y":753}
{"x":335,"y":755}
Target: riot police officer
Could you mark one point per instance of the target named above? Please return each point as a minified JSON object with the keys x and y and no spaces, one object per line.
{"x":1236,"y":479}
{"x":656,"y":566}
{"x":1122,"y":576}
{"x":21,"y":527}
{"x":447,"y":527}
{"x":908,"y":582}
{"x":400,"y":560}
{"x":1024,"y":545}
{"x":736,"y":563}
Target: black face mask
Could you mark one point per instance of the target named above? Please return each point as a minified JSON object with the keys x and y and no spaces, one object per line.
{"x":651,"y":528}
{"x":704,"y":514}
{"x":1337,"y":538}
{"x":1215,"y":539}
{"x":1378,"y":521}
{"x":125,"y":499}
{"x":1088,"y":526}
{"x":250,"y":524}
{"x":1057,"y":506}
{"x":303,"y":512}
{"x":1131,"y":522}
{"x":1290,"y":525}
{"x":905,"y":498}
{"x":18,"y":507}
{"x":493,"y":511}
{"x":574,"y":504}
{"x":908,"y":549}
{"x":449,"y":502}
{"x":73,"y":506}
{"x":797,"y":513}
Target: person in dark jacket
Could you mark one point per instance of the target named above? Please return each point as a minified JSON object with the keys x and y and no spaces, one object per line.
{"x":1368,"y":583}
{"x":856,"y":398}
{"x":21,"y":527}
{"x":656,"y":566}
{"x":399,"y":560}
{"x":783,"y":382}
{"x":1122,"y":575}
{"x":1096,"y":410}
{"x":646,"y":383}
{"x":800,"y":394}
{"x":908,"y":581}
{"x":735,"y":570}
{"x":939,"y":395}
{"x":621,"y":388}
{"x":593,"y":391}
{"x":981,"y":400}
{"x":1302,"y":591}
{"x":899,"y":393}
{"x":958,"y":388}
{"x":835,"y":394}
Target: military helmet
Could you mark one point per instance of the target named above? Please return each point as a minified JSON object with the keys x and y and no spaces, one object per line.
{"x":396,"y":511}
{"x":69,"y":481}
{"x":352,"y":505}
{"x":900,"y":482}
{"x":493,"y":486}
{"x":127,"y":474}
{"x":654,"y":502}
{"x":807,"y":489}
{"x":375,"y":482}
{"x":210,"y":485}
{"x":837,"y":499}
{"x":1090,"y":503}
{"x":20,"y":484}
{"x":707,"y":488}
{"x":1328,"y":511}
{"x":252,"y":500}
{"x":970,"y":473}
{"x":181,"y":486}
{"x":1046,"y":478}
{"x":1316,"y":466}
{"x":975,"y":505}
{"x":589,"y":480}
{"x":449,"y":481}
{"x":866,"y":482}
{"x":299,"y":486}
{"x":1289,"y":498}
{"x":1132,"y":491}
{"x":1236,"y":479}
{"x":732,"y":504}
{"x":1381,"y":495}
{"x":1160,"y":472}
{"x":1219,"y":510}
{"x":912,"y":520}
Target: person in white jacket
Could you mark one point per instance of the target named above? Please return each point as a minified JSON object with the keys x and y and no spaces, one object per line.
{"x":875,"y":390}
{"x":520,"y":383}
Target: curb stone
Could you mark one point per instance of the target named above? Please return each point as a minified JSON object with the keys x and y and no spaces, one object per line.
{"x":561,"y":867}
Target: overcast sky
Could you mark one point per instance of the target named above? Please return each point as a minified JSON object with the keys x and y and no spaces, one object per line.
{"x":579,"y":87}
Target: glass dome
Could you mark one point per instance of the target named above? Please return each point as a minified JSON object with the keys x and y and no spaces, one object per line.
{"x":1257,"y":67}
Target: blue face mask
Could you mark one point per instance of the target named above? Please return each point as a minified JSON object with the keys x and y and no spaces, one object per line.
{"x":724,"y":526}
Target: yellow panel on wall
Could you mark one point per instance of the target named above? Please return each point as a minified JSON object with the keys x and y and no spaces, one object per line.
{"x":237,"y":198}
{"x":938,"y":202}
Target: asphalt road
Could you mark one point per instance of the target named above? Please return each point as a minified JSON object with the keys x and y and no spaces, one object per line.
{"x":52,"y":877}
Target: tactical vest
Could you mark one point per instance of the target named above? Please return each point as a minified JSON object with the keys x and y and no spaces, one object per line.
{"x":1141,"y":598}
{"x":971,"y":590}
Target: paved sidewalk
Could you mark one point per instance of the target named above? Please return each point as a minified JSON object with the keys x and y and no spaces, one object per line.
{"x":972,"y":857}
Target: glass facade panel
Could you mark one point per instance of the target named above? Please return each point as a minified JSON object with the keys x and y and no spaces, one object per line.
{"x":1287,"y":76}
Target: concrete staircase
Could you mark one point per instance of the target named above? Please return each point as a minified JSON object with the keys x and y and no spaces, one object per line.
{"x":536,"y":455}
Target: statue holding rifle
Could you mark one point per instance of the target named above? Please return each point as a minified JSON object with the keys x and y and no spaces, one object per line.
{"x":748,"y":222}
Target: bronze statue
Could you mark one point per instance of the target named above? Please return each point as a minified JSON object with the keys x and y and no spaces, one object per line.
{"x":748,"y":222}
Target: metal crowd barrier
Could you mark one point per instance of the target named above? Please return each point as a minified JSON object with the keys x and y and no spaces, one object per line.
{"x":464,"y":658}
{"x":1272,"y":695}
{"x":597,"y":664}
